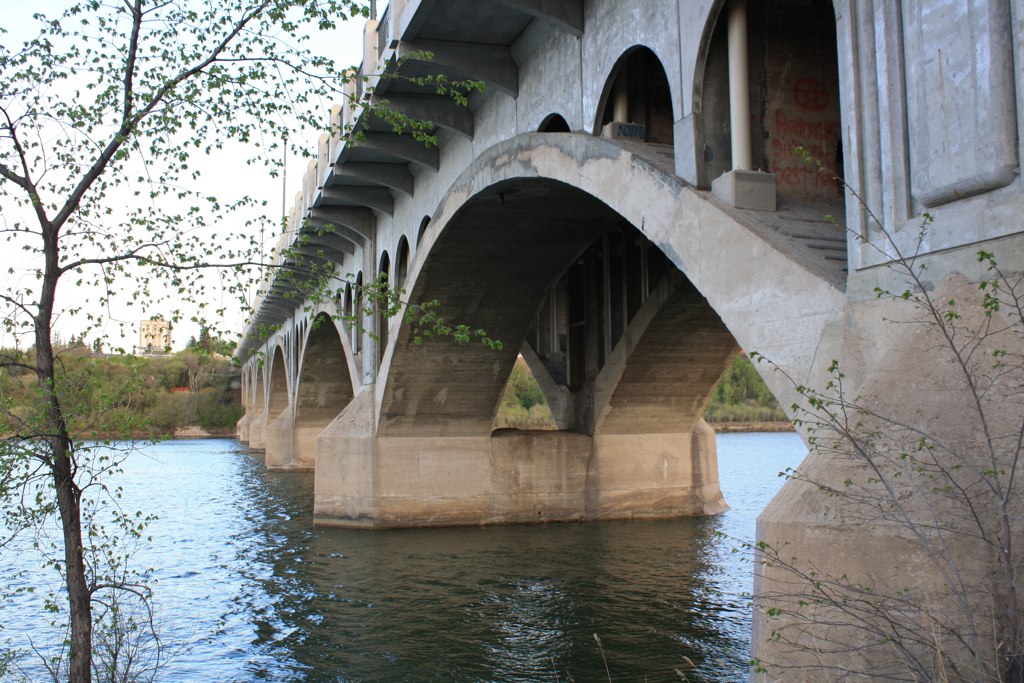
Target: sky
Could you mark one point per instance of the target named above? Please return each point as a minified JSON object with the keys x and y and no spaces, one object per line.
{"x":222,"y":178}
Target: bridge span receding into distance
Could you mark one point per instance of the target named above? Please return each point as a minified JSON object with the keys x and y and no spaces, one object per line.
{"x":624,"y":205}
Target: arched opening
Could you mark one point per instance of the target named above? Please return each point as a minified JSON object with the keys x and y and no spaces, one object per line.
{"x":581,"y":298}
{"x":259,"y":397}
{"x":637,"y":101}
{"x":793,"y":93}
{"x":554,"y":123}
{"x":277,"y":397}
{"x":383,"y":306}
{"x":423,"y":229}
{"x":524,"y":402}
{"x":401,"y":262}
{"x":347,"y":308}
{"x":357,"y":315}
{"x":324,"y":389}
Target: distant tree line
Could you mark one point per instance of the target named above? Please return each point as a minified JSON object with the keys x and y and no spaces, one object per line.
{"x":125,"y":396}
{"x":133,"y":396}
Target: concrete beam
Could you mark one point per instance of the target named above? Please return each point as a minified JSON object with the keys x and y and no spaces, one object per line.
{"x":441,"y":111}
{"x":353,"y":223}
{"x":332,"y":243}
{"x":311,"y":260}
{"x":275,"y":309}
{"x":395,"y":176}
{"x":274,"y":306}
{"x":378,"y":198}
{"x":492,"y":64}
{"x":402,"y":147}
{"x":566,"y":15}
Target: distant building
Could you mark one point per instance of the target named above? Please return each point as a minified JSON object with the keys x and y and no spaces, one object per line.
{"x":154,"y":335}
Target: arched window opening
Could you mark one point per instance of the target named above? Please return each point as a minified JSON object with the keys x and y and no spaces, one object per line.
{"x":554,"y":123}
{"x":383,"y":305}
{"x":793,"y":89}
{"x":402,"y":263}
{"x":357,"y":315}
{"x":637,"y":100}
{"x":347,"y":303}
{"x":423,"y":229}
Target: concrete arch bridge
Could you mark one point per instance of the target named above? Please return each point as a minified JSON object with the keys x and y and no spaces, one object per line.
{"x":624,"y":206}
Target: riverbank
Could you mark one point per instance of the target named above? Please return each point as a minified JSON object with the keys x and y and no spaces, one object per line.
{"x":764,"y":426}
{"x":197,"y":432}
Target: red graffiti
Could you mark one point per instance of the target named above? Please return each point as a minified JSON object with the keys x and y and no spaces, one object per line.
{"x":810,"y":94}
{"x":806,"y":131}
{"x":785,"y":148}
{"x":807,"y":122}
{"x":803,"y":176}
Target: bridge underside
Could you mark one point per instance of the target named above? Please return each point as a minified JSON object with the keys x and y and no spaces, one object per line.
{"x":642,"y":350}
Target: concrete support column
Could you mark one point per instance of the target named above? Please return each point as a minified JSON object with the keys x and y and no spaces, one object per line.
{"x":306,"y":432}
{"x":258,"y":431}
{"x":620,"y":96}
{"x":742,"y":187}
{"x":637,"y":476}
{"x":739,"y":86}
{"x":242,"y":428}
{"x":280,"y":443}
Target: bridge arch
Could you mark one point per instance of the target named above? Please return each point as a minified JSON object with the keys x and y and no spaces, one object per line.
{"x":524,"y":214}
{"x":748,"y":280}
{"x":278,"y":383}
{"x":324,"y":388}
{"x":250,"y":401}
{"x":654,"y":29}
{"x":257,"y":425}
{"x":275,"y":417}
{"x":614,"y":303}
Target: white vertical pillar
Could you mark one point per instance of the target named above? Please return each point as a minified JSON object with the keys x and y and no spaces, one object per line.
{"x":620,"y":95}
{"x":739,"y":86}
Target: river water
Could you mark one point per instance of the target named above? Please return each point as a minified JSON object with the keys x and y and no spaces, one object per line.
{"x":248,"y":590}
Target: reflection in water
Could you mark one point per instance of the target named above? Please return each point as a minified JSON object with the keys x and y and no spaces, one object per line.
{"x":262,"y":595}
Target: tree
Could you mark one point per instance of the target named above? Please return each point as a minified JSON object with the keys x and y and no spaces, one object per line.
{"x":943,"y":495}
{"x":105,"y":116}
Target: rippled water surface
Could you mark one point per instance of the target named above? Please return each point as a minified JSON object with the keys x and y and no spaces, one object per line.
{"x":258,"y":594}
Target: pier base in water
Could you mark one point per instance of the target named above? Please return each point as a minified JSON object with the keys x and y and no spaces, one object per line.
{"x":512,"y":477}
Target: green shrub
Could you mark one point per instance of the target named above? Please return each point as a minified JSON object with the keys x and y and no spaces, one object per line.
{"x":742,"y":396}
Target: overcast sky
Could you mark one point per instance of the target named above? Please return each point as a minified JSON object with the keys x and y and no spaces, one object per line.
{"x":221,"y":176}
